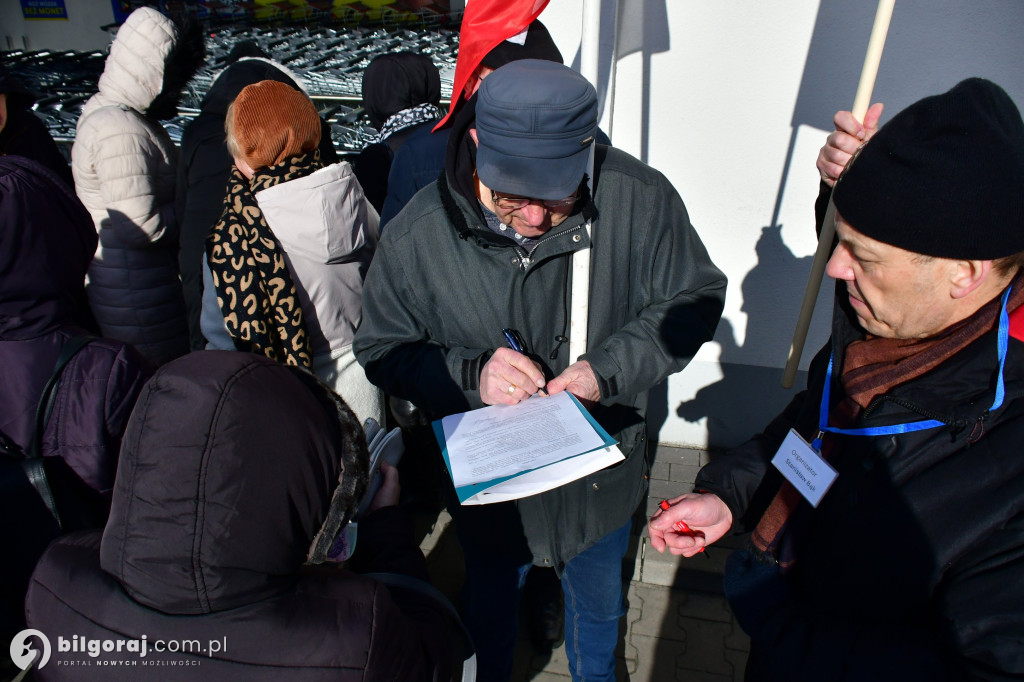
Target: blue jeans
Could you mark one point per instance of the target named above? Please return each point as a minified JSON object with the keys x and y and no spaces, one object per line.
{"x":592,"y":583}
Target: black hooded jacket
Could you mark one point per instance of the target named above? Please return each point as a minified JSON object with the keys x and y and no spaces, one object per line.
{"x":227,"y":473}
{"x":24,"y":134}
{"x":392,"y":83}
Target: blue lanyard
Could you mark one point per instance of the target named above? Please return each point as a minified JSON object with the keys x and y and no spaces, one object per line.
{"x":1002,"y":342}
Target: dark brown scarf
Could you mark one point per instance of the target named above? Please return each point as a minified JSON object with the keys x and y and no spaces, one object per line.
{"x":873,"y":366}
{"x":255,"y":289}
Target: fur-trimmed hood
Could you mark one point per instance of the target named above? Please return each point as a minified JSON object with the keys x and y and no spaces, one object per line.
{"x":227,"y":472}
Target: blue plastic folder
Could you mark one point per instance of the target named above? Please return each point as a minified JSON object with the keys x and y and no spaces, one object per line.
{"x":506,"y":452}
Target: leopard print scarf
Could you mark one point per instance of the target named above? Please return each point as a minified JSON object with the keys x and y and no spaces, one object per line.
{"x":255,"y":290}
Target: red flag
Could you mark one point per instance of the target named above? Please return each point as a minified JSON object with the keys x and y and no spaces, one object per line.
{"x":486,"y":23}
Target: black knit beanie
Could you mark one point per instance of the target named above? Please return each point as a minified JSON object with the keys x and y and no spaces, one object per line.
{"x":537,"y":45}
{"x":943,"y":178}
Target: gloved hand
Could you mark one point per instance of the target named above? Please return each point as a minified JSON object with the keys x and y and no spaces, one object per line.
{"x":755,"y":590}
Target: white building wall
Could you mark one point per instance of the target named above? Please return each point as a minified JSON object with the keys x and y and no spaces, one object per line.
{"x":731,"y":99}
{"x":719,"y":96}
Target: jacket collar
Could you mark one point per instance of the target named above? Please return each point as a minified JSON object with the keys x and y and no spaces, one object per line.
{"x":958,"y":392}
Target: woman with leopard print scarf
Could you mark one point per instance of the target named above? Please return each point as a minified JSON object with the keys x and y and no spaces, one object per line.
{"x":285,"y":263}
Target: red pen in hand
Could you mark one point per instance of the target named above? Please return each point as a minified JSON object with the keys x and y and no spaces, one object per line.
{"x":680,"y":526}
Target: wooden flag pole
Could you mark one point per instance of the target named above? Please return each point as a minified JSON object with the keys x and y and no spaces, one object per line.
{"x":828,"y":228}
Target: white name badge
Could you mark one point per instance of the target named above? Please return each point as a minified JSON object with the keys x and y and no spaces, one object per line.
{"x":804,"y":468}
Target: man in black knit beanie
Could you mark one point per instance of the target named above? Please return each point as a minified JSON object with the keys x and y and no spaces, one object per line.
{"x":886,"y":501}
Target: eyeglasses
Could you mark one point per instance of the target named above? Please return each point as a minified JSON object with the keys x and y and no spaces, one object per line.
{"x":512,"y":203}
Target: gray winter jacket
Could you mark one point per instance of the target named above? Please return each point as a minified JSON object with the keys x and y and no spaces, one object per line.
{"x":438,"y":295}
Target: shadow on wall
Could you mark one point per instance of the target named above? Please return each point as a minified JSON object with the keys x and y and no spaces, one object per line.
{"x":931,"y":46}
{"x":627,"y":27}
{"x":747,"y":396}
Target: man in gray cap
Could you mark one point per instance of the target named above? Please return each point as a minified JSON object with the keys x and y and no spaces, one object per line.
{"x":490,"y":246}
{"x":887,"y":501}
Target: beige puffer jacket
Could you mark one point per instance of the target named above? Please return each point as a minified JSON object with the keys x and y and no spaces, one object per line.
{"x":124,"y":166}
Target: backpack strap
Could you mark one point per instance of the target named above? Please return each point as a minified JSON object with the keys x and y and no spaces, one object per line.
{"x":33,"y":464}
{"x":49,"y":395}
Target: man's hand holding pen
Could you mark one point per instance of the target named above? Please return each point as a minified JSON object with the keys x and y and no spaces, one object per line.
{"x":704,"y":518}
{"x":509,"y":377}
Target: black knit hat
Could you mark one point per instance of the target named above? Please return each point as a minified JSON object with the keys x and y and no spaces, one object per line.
{"x":945,"y":177}
{"x":536,"y":44}
{"x":18,"y":96}
{"x":397,"y":81}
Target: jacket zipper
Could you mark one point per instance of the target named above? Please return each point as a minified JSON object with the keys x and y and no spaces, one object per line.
{"x":524,"y":258}
{"x":928,"y":414}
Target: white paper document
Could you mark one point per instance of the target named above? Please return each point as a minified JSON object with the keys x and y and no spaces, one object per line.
{"x":504,"y":452}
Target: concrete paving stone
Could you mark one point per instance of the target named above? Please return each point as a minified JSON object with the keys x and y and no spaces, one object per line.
{"x":738,"y":661}
{"x":695,"y":573}
{"x":638,"y":560}
{"x":737,"y":641}
{"x":658,"y":612}
{"x":683,"y":476}
{"x":658,"y":662}
{"x":636,"y":650}
{"x":660,"y":471}
{"x":650,"y":507}
{"x":706,"y":456}
{"x":634,"y":612}
{"x":665,"y":490}
{"x":631,"y":659}
{"x":656,"y":571}
{"x":669,"y":660}
{"x":706,"y":647}
{"x":633,"y":653}
{"x":673,"y":455}
{"x":711,"y":560}
{"x":705,"y":607}
{"x":556,"y":664}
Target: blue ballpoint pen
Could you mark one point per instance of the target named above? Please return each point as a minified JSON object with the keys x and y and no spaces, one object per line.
{"x":515,"y":341}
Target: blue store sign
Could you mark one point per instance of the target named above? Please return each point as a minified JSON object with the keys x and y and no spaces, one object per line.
{"x":44,"y":9}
